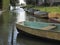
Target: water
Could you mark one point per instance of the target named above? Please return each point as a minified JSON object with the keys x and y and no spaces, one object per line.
{"x":8,"y":21}
{"x":25,"y":40}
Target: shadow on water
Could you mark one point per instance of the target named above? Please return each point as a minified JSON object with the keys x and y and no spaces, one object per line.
{"x":28,"y":39}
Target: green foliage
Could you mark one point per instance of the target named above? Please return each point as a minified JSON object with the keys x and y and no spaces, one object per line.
{"x":33,"y":2}
{"x":14,"y":2}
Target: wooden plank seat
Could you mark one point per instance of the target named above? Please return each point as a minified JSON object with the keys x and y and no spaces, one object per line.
{"x":48,"y":28}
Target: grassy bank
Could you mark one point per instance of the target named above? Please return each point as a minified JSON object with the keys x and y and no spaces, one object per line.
{"x":53,"y":9}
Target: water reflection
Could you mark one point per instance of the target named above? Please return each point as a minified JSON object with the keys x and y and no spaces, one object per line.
{"x":4,"y":28}
{"x":21,"y":15}
{"x":22,"y":39}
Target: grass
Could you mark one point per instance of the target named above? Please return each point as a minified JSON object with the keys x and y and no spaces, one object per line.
{"x":50,"y":9}
{"x":54,"y":9}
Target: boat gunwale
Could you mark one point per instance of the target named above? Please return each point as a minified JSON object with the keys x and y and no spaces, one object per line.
{"x":55,"y":20}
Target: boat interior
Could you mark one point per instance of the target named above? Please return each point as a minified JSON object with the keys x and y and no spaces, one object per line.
{"x":40,"y":25}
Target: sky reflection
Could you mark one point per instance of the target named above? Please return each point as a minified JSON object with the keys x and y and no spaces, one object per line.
{"x":20,"y":15}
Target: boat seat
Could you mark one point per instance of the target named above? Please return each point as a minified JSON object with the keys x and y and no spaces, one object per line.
{"x":48,"y":28}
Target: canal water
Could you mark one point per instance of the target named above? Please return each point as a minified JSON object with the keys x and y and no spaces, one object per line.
{"x":8,"y":31}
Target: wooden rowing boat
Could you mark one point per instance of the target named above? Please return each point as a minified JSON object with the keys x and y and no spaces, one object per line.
{"x":37,"y":13}
{"x":41,"y":29}
{"x":55,"y":20}
{"x":40,"y":14}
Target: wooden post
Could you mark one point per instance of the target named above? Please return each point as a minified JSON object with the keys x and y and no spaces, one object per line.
{"x":5,"y":4}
